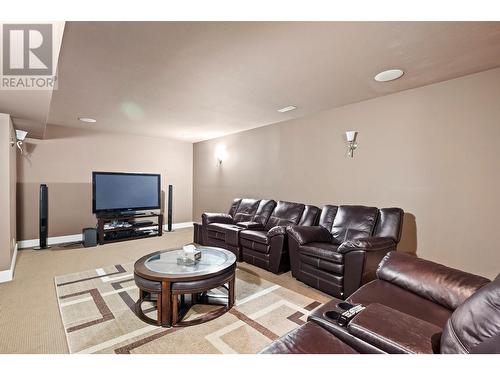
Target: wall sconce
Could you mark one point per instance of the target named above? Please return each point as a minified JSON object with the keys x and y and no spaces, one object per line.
{"x":220,"y":154}
{"x":20,"y":137}
{"x":351,"y":142}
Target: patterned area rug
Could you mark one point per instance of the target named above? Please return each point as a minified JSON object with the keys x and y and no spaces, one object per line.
{"x":97,"y":312}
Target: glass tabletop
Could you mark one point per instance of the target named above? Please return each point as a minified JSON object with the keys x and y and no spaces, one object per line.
{"x":212,"y":260}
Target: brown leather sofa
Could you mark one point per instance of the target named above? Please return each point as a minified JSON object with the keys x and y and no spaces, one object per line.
{"x":414,"y":306}
{"x":255,"y":230}
{"x":343,"y":251}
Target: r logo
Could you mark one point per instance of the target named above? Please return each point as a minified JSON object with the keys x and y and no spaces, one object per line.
{"x":27,"y":49}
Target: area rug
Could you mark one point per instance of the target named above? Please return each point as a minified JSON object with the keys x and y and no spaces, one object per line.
{"x":97,"y":313}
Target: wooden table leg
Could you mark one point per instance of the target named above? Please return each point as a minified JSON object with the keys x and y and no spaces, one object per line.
{"x":159,"y":308}
{"x":166,"y":308}
{"x":175,"y":309}
{"x":231,"y":292}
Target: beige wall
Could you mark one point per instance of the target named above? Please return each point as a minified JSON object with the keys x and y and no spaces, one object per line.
{"x":434,"y":151}
{"x":65,"y":161}
{"x":7,"y":192}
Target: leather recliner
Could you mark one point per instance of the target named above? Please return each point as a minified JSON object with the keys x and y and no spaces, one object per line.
{"x":414,"y":306}
{"x":265,"y":246}
{"x":343,"y":251}
{"x":222,"y":230}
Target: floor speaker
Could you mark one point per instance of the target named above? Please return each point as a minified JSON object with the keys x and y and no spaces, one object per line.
{"x":89,"y":237}
{"x":43,"y":219}
{"x":169,"y":207}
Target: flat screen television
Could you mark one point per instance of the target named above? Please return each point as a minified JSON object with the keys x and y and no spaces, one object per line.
{"x":121,"y":192}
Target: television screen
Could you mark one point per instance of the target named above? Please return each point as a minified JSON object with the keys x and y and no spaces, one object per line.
{"x":125,"y":191}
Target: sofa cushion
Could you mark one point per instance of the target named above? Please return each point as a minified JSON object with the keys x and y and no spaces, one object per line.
{"x":385,"y":293}
{"x":250,"y":225}
{"x":234,"y":206}
{"x":254,"y":235}
{"x":352,"y":222}
{"x":322,"y":250}
{"x":309,"y":216}
{"x":328,"y":213}
{"x":389,"y":223}
{"x":440,"y":284}
{"x":246,"y":210}
{"x":220,"y":227}
{"x":475,"y":323}
{"x":322,"y":264}
{"x":309,"y":338}
{"x":285,"y":213}
{"x":264,"y":211}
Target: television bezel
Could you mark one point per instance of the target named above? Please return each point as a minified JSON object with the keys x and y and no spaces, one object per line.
{"x":124,"y":209}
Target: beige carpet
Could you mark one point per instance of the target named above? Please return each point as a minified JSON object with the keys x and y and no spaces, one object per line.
{"x":29,"y":316}
{"x":97,"y":311}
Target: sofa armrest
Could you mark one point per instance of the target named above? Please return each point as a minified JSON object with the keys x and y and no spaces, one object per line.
{"x":395,"y":332}
{"x":250,"y":225}
{"x":276,"y":231}
{"x":306,"y":234}
{"x":368,"y":244}
{"x":209,"y":218}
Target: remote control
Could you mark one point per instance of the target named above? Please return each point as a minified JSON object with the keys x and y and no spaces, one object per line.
{"x":347,"y":315}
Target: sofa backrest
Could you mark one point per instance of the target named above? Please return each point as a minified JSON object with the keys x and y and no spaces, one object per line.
{"x":285,"y":213}
{"x":234,"y":206}
{"x":264,"y":211}
{"x":445,"y":286}
{"x":327,"y":216}
{"x":353,"y":222}
{"x":309,"y":216}
{"x":474,"y":327}
{"x":389,"y":223}
{"x":246,"y":210}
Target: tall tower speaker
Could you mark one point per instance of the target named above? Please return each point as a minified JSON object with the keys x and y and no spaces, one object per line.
{"x":169,"y":208}
{"x":43,"y":224}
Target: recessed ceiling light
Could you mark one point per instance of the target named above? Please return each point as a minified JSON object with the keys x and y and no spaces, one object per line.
{"x":87,"y":119}
{"x":287,"y":109}
{"x":389,"y":75}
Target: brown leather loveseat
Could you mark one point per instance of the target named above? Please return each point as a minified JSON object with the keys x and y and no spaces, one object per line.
{"x":414,"y":306}
{"x":343,"y":251}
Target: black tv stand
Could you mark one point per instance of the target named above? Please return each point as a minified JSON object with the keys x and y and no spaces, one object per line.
{"x":134,"y":230}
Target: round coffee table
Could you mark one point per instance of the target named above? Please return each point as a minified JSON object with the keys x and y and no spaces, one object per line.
{"x":176,"y":287}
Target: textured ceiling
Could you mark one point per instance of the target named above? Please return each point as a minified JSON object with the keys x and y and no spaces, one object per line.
{"x":198,"y":80}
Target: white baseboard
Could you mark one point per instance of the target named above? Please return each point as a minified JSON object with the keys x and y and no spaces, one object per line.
{"x":78,"y":237}
{"x":50,"y":241}
{"x":187,"y":224}
{"x":8,"y":275}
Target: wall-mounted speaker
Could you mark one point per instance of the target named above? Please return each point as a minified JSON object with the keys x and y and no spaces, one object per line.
{"x":43,"y":219}
{"x":169,"y":207}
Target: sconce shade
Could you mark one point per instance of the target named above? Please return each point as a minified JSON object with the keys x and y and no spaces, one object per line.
{"x":21,"y":135}
{"x":220,"y":153}
{"x":351,"y":135}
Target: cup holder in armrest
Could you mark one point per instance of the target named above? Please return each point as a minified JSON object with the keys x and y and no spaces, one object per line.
{"x":336,"y":315}
{"x":333,"y":315}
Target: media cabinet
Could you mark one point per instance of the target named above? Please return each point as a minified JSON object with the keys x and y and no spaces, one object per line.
{"x":133,"y":232}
